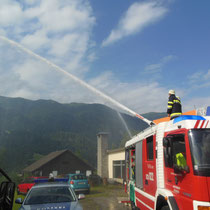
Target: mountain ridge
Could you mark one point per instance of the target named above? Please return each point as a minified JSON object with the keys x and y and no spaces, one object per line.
{"x":28,"y":128}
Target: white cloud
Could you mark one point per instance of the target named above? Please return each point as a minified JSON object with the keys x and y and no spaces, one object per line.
{"x":33,"y":79}
{"x":197,"y":102}
{"x":157,"y":67}
{"x":141,"y":97}
{"x":152,"y":68}
{"x":138,"y":16}
{"x":195,"y":76}
{"x":199,"y":79}
{"x":59,"y":30}
{"x":65,"y":15}
{"x":92,"y":57}
{"x":103,"y":81}
{"x":10,"y":13}
{"x":36,"y":80}
{"x":35,"y":41}
{"x":207,"y":76}
{"x":24,"y":92}
{"x":67,"y":43}
{"x":33,"y":73}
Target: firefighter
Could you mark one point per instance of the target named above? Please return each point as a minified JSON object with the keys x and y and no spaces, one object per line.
{"x":174,"y":105}
{"x":178,"y":98}
{"x":181,"y":161}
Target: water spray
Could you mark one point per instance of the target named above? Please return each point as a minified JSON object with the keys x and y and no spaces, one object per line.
{"x":78,"y":80}
{"x":125,"y":125}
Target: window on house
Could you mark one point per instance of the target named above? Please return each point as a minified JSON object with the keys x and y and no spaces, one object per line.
{"x":119,"y":169}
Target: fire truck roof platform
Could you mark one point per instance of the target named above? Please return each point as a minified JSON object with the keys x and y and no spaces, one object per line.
{"x":166,"y":119}
{"x":184,"y":121}
{"x":200,"y":111}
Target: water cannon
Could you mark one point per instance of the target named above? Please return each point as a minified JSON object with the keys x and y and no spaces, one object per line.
{"x":78,"y":80}
{"x":150,"y":123}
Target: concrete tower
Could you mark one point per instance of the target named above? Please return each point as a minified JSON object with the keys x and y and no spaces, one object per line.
{"x":102,"y":158}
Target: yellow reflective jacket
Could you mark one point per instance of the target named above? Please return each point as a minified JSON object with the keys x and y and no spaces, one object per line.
{"x":180,"y":160}
{"x":174,"y":106}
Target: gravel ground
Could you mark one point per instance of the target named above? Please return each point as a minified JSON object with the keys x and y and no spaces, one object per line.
{"x":105,"y":198}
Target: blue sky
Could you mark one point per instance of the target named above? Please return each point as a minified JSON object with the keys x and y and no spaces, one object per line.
{"x":132,"y":50}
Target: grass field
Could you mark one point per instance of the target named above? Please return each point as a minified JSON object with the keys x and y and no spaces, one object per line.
{"x":17,"y":206}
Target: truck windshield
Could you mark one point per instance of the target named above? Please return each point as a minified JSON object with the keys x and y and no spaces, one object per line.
{"x":200,"y":151}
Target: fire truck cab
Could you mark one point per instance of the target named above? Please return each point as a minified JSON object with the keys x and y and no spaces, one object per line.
{"x":168,"y":165}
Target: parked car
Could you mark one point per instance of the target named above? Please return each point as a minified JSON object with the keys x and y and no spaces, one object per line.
{"x":50,"y":195}
{"x":27,"y":184}
{"x":79,"y":183}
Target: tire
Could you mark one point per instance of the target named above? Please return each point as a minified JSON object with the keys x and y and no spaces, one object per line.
{"x":133,"y":207}
{"x":165,"y":208}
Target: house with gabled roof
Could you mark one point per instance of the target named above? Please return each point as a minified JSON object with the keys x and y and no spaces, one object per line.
{"x":58,"y":163}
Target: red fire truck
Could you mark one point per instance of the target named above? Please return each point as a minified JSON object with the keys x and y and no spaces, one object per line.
{"x":168,"y":165}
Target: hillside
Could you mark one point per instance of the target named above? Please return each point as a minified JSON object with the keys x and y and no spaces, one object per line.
{"x":29,"y":129}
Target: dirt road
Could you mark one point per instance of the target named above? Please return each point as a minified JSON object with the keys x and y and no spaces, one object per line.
{"x":105,"y":198}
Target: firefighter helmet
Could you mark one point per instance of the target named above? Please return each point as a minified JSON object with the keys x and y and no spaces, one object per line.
{"x":171,"y":92}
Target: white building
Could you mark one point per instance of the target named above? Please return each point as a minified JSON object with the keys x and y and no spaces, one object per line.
{"x":110,"y":163}
{"x":116,"y":164}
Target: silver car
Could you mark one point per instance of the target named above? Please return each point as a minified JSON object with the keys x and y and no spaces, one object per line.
{"x":51,"y":196}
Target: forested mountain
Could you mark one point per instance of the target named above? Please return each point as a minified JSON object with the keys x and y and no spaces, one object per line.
{"x":30,"y":129}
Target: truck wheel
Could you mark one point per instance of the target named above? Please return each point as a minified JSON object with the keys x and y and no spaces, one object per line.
{"x":165,"y":208}
{"x":133,"y":207}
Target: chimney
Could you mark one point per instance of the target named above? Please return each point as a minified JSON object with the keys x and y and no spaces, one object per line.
{"x":102,"y":158}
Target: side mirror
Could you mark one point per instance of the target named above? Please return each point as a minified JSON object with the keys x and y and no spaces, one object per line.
{"x":178,"y":169}
{"x":81,"y":196}
{"x":19,"y":201}
{"x":167,"y":151}
{"x":165,"y":142}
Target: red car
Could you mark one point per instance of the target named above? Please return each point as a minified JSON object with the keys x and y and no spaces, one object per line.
{"x":27,"y":184}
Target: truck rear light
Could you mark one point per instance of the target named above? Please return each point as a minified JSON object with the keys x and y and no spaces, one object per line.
{"x":203,"y":207}
{"x":71,"y":182}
